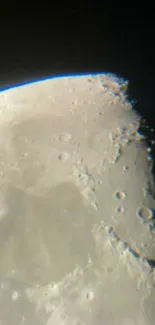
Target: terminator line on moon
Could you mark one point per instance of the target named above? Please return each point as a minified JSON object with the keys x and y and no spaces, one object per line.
{"x":77,"y":228}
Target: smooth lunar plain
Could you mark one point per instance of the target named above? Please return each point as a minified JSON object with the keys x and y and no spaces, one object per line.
{"x":77,"y":231}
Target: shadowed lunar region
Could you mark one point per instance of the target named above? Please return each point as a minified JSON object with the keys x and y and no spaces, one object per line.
{"x":77,"y":238}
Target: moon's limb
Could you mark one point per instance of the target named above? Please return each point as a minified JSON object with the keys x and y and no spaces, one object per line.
{"x":76,"y":222}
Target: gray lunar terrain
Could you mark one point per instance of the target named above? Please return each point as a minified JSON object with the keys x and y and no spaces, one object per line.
{"x":77,"y":231}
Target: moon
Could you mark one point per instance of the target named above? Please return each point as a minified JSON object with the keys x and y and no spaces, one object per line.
{"x":77,"y":230}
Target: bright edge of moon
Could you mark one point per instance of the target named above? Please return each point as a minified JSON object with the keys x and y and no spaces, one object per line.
{"x":77,"y":228}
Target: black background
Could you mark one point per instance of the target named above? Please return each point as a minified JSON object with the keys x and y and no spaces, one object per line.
{"x":48,"y":38}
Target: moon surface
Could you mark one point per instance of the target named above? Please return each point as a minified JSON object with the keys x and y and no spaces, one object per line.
{"x":77,"y":230}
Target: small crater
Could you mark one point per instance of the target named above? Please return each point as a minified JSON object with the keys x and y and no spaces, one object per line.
{"x":125,"y":168}
{"x":108,"y":229}
{"x":15,"y":295}
{"x":23,"y":155}
{"x":63,"y":156}
{"x":89,"y":296}
{"x":120,"y":210}
{"x":149,"y":157}
{"x":74,"y":102}
{"x":120,"y":195}
{"x":65,"y":137}
{"x":151,"y":226}
{"x":145,"y":213}
{"x":123,"y":249}
{"x":99,"y":182}
{"x":100,"y":113}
